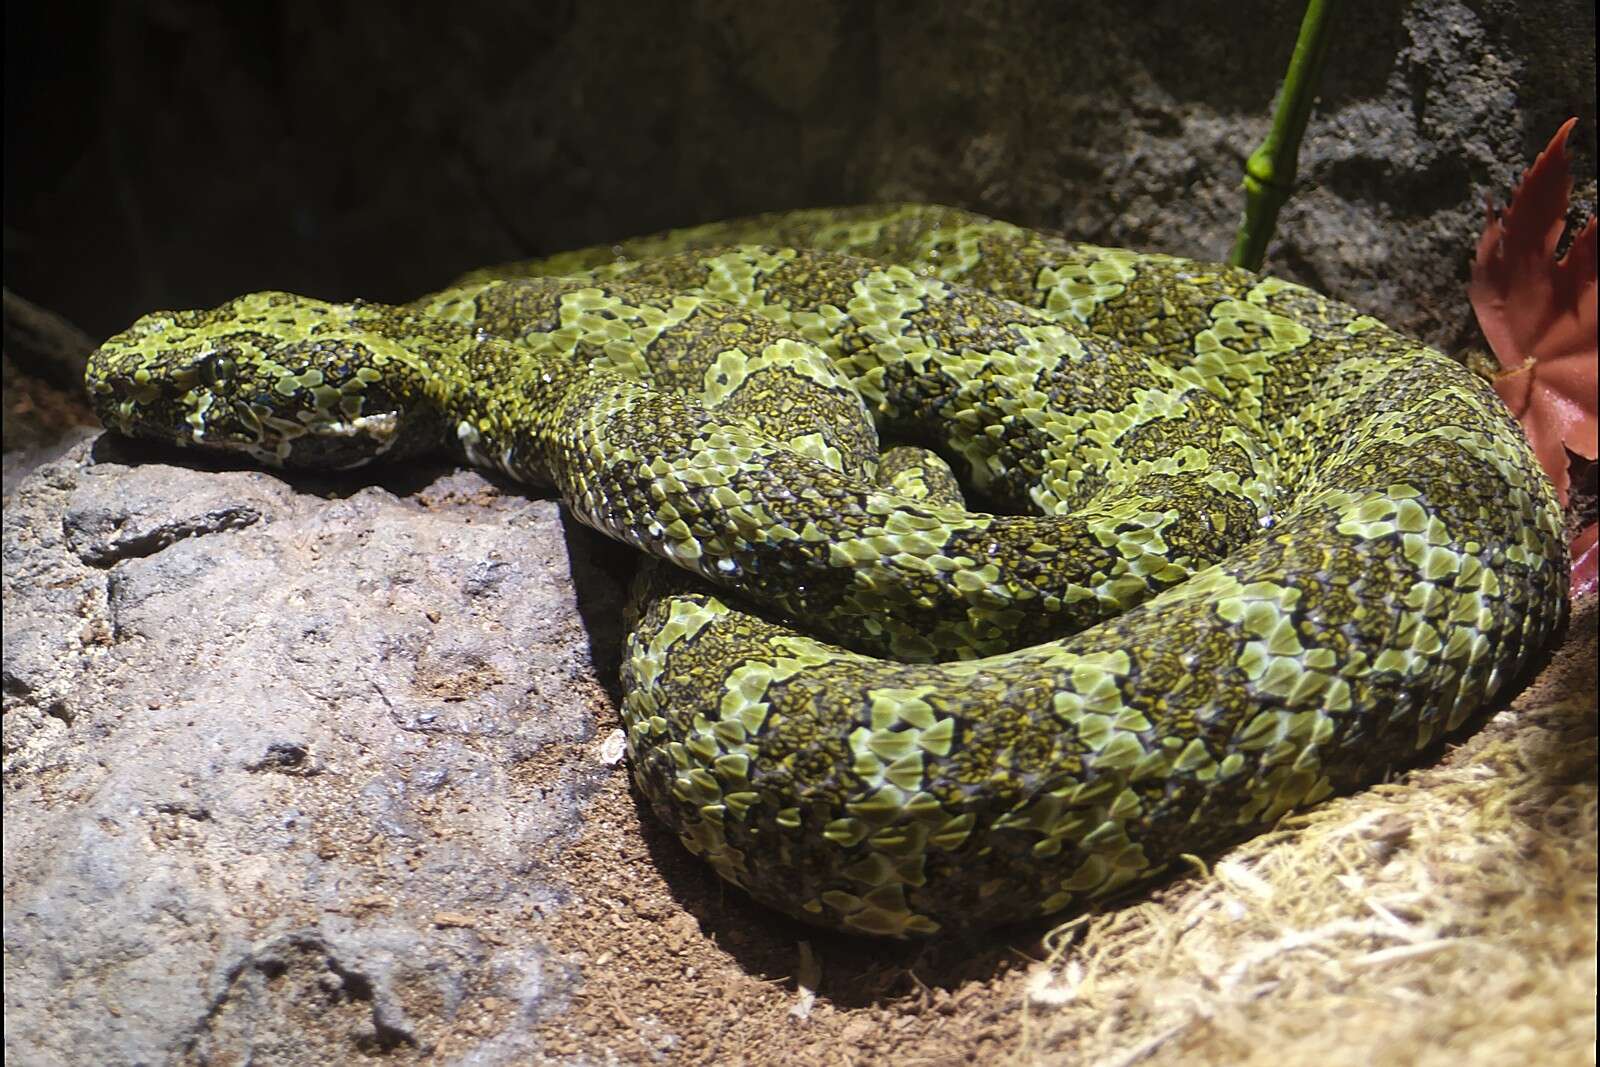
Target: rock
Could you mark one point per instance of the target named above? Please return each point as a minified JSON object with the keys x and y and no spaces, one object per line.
{"x":260,"y":734}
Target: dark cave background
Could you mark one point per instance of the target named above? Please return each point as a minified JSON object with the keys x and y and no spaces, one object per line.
{"x":178,"y":153}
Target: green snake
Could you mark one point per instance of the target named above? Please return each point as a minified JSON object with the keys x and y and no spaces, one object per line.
{"x":1234,"y":546}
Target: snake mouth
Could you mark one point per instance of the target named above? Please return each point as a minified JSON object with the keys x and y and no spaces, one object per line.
{"x":311,"y":440}
{"x":206,"y":418}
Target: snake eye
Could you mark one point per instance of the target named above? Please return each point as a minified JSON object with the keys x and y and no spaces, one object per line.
{"x":216,"y":369}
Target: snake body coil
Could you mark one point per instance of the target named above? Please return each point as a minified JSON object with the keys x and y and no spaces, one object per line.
{"x":1243,"y":547}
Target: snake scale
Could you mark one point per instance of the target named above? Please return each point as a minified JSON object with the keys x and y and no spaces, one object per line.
{"x":1234,"y":546}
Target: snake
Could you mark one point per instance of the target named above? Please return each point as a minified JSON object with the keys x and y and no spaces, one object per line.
{"x":987,"y":574}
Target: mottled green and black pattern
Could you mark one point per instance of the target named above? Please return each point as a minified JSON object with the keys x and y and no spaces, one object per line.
{"x":1239,"y":546}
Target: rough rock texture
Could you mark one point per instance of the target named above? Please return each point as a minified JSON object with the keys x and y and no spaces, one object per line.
{"x":267,"y":759}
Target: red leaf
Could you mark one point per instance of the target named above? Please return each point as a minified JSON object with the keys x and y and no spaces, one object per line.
{"x":1586,"y":561}
{"x":1538,"y":313}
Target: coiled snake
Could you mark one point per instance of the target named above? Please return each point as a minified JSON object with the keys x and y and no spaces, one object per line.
{"x":1241,"y":547}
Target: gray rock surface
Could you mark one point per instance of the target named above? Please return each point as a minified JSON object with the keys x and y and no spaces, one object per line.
{"x":267,"y":749}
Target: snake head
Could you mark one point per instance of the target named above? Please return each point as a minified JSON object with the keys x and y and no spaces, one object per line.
{"x":284,"y":379}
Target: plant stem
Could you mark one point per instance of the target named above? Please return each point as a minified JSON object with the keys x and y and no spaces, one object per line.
{"x":1269,"y":173}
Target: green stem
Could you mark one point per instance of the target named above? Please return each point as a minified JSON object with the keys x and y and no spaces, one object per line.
{"x":1270,"y":171}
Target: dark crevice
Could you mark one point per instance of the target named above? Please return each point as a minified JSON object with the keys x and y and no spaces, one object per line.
{"x":187,"y":808}
{"x":386,"y":1036}
{"x":286,"y":757}
{"x":104,"y":554}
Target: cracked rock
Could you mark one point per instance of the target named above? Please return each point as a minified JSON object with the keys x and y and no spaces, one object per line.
{"x":260,"y":734}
